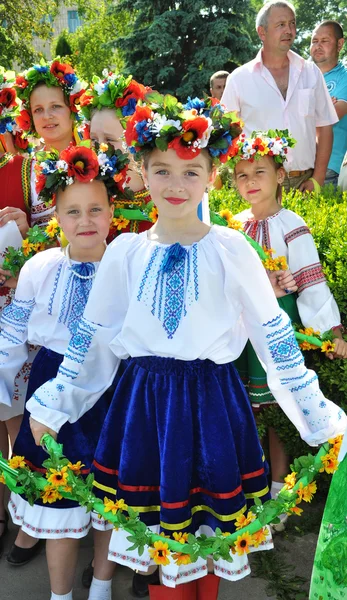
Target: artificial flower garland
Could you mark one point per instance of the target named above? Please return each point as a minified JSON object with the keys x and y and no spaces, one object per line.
{"x":163,"y":122}
{"x":274,"y":143}
{"x":10,"y":106}
{"x":63,"y":480}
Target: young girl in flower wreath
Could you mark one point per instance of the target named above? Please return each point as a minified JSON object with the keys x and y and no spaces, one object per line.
{"x":52,"y":291}
{"x":259,"y":171}
{"x":179,"y":443}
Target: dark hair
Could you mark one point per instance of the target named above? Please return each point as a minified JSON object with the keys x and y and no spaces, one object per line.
{"x":338,"y":31}
{"x":218,"y":75}
{"x":43,"y":83}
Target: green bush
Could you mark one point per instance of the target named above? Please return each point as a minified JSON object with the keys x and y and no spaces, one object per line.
{"x":326,"y":216}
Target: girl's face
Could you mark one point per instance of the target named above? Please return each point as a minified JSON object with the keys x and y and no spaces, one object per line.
{"x":177,"y":185}
{"x":105,"y":128}
{"x":257,"y":181}
{"x":84,"y":214}
{"x":51,"y":116}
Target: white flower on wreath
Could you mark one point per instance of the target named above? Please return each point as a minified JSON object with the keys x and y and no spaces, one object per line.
{"x":61,"y":165}
{"x":102,"y":159}
{"x":100,"y":88}
{"x":160,"y":121}
{"x":207,"y":133}
{"x":277,"y":147}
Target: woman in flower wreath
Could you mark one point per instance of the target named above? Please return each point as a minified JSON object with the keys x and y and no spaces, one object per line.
{"x":52,"y":291}
{"x":259,"y":172}
{"x":14,"y":206}
{"x":106,"y":105}
{"x":179,"y":443}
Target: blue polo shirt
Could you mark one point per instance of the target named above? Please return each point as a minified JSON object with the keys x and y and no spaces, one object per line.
{"x":336,"y":81}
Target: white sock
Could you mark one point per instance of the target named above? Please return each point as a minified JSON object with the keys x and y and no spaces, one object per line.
{"x":276,"y":487}
{"x":61,"y":596}
{"x":100,"y":590}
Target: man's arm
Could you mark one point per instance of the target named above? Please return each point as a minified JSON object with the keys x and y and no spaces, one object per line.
{"x":323,"y":152}
{"x":340,"y":107}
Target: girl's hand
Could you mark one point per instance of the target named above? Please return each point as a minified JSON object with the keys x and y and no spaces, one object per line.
{"x":282,"y":282}
{"x":9,"y":283}
{"x":14,"y":214}
{"x":340,"y":349}
{"x":38,"y":430}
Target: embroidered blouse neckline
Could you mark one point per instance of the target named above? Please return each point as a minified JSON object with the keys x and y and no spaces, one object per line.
{"x":253,"y":220}
{"x":145,"y":237}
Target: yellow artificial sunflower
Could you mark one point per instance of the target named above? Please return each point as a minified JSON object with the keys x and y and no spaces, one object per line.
{"x":27,"y":247}
{"x":52,"y":228}
{"x":50,"y":495}
{"x":75,"y":467}
{"x":290,"y":481}
{"x":330,"y":462}
{"x":328,"y":347}
{"x":235,"y":224}
{"x":180,"y":537}
{"x":295,"y":510}
{"x":2,"y":479}
{"x":153,"y":215}
{"x":306,"y":493}
{"x":160,"y":553}
{"x":243,"y":543}
{"x":243,"y":520}
{"x":17,"y":462}
{"x":336,"y":443}
{"x":113,"y":507}
{"x":259,"y":537}
{"x":120,"y":223}
{"x":57,"y":478}
{"x":181,"y":559}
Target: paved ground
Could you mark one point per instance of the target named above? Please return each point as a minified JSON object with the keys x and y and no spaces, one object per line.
{"x":31,"y":581}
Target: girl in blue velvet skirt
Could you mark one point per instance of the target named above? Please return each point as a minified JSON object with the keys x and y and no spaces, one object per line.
{"x":179,"y":444}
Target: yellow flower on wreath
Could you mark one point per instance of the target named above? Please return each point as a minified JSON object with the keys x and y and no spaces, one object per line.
{"x":327,"y":347}
{"x":57,"y":478}
{"x":336,"y":443}
{"x":2,"y":479}
{"x":17,"y":462}
{"x":180,"y":537}
{"x":120,"y":222}
{"x":27,"y":247}
{"x":306,"y":493}
{"x":114,"y":507}
{"x":243,"y":543}
{"x":330,"y":462}
{"x":50,"y":495}
{"x":243,"y":520}
{"x":181,"y":559}
{"x":75,"y":467}
{"x":295,"y":510}
{"x":259,"y":537}
{"x":160,"y":553}
{"x":290,"y":481}
{"x":153,"y":215}
{"x":52,"y":228}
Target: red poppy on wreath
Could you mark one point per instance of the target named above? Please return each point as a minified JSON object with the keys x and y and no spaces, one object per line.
{"x":59,"y":70}
{"x":142,"y":113}
{"x":24,"y":120}
{"x":8,"y":97}
{"x":258,"y":144}
{"x":75,"y":100}
{"x":184,"y":144}
{"x":121,"y":178}
{"x":21,"y":82}
{"x":20,"y":142}
{"x":232,"y":151}
{"x":86,"y":131}
{"x":82,"y":163}
{"x":134,"y":90}
{"x":40,"y":182}
{"x":85,"y":99}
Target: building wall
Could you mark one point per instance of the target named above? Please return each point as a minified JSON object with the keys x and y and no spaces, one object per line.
{"x":68,"y":19}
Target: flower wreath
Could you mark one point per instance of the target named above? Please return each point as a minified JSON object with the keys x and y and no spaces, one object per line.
{"x":63,"y":480}
{"x":52,"y":74}
{"x":163,"y":122}
{"x":273,"y":142}
{"x":113,"y":91}
{"x":80,"y":163}
{"x":9,"y":110}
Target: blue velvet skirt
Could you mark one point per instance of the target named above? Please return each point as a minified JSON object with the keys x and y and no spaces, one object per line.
{"x":79,"y":439}
{"x":180,"y":445}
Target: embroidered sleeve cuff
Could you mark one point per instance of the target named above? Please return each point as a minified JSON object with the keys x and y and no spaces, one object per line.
{"x":47,"y":416}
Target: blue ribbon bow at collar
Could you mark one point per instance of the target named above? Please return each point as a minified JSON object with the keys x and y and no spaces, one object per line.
{"x":173,"y":255}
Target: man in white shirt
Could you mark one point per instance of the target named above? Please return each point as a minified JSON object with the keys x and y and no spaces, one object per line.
{"x":281,"y":90}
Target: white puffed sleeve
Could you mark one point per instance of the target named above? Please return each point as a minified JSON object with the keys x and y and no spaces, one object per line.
{"x":316,"y":304}
{"x":89,"y":365}
{"x":269,"y":329}
{"x":14,"y":334}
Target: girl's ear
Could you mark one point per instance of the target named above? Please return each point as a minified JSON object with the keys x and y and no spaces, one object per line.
{"x":144,"y":175}
{"x":281,"y":173}
{"x":111,"y":211}
{"x":212,"y":176}
{"x":56,"y":216}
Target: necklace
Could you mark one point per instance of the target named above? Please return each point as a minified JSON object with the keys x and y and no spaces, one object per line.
{"x":68,"y":260}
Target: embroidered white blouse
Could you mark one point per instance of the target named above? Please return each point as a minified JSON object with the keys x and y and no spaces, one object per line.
{"x":45,"y":311}
{"x":287,"y":234}
{"x":200,"y":302}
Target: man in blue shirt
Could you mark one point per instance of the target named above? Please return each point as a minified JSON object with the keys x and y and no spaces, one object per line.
{"x":326,"y":44}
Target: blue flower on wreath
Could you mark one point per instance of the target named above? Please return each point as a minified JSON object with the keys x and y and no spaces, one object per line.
{"x":70,"y":79}
{"x":41,"y":68}
{"x":6,"y":124}
{"x":129,"y":108}
{"x":143,"y":133}
{"x":111,"y":165}
{"x":49,"y":166}
{"x":194,"y":103}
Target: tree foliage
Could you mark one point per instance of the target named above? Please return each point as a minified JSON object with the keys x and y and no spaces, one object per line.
{"x":176,"y":46}
{"x":20,"y":22}
{"x":62,"y":47}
